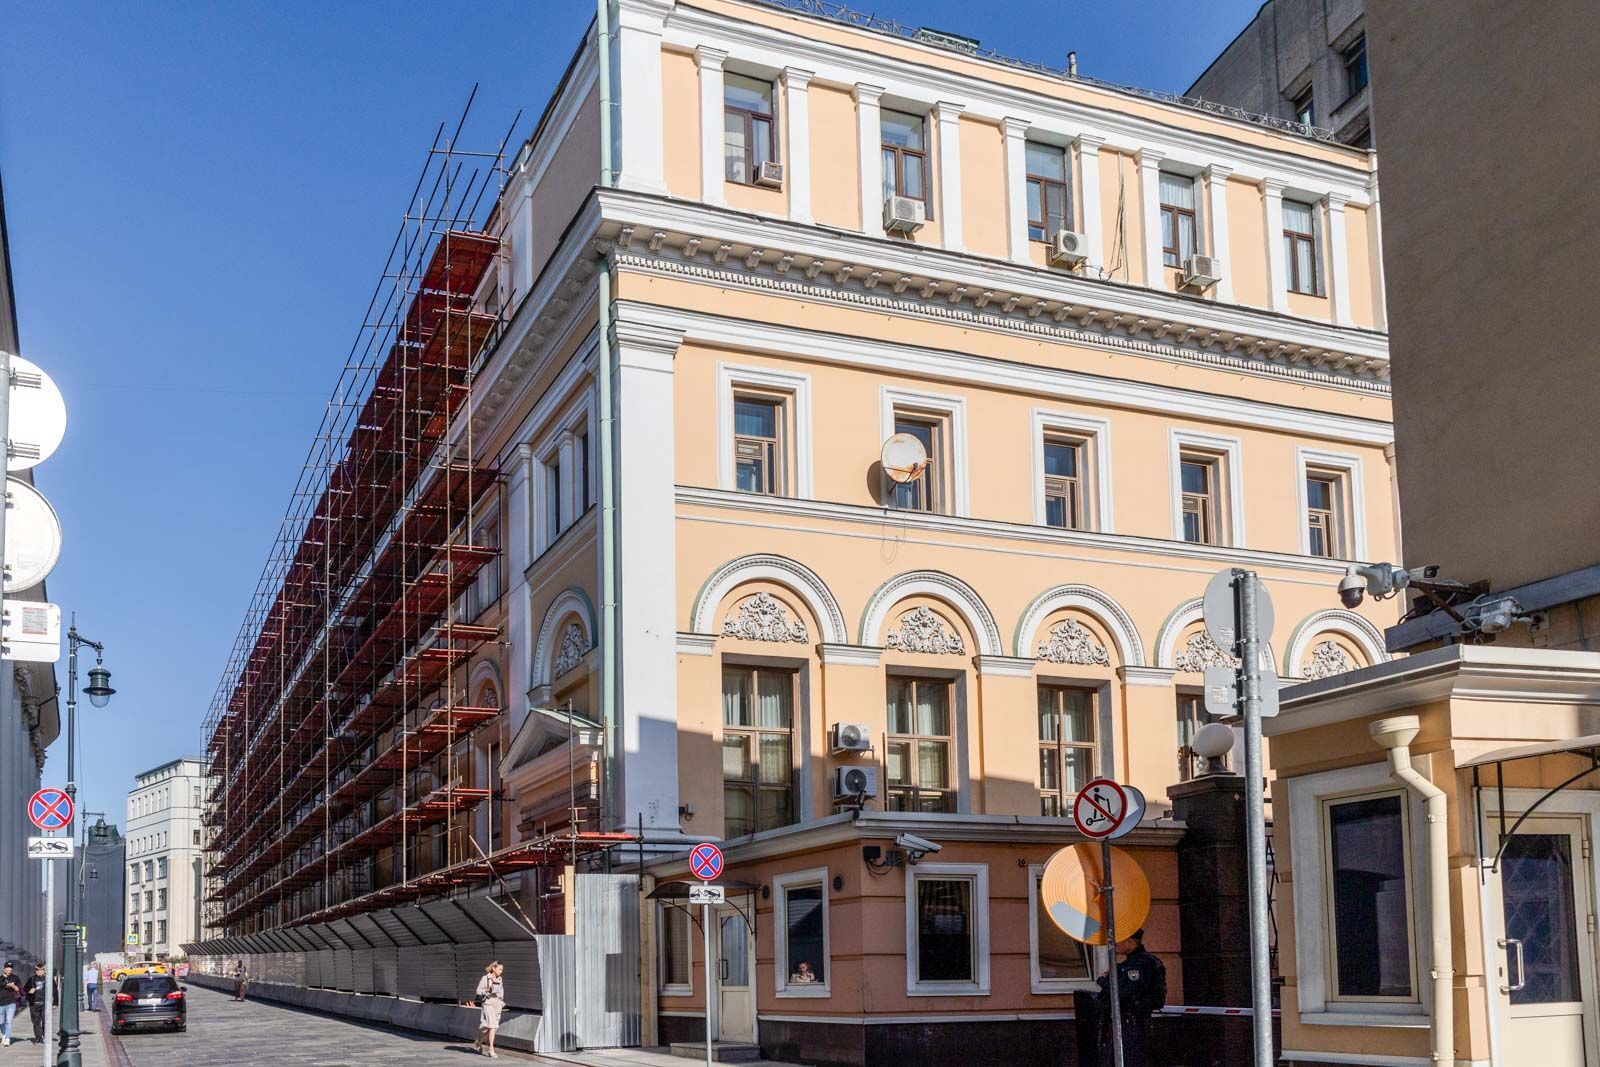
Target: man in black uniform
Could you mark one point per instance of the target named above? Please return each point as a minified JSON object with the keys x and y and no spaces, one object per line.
{"x":1142,"y":990}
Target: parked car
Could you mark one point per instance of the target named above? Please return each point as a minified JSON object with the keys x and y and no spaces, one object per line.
{"x":149,"y":1000}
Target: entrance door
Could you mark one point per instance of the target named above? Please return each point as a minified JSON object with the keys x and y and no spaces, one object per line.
{"x":736,"y":1002}
{"x":1542,"y":974}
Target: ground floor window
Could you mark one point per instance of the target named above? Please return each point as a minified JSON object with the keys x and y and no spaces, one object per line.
{"x":1369,"y":896}
{"x":1060,"y":964}
{"x":802,"y":965}
{"x":947,"y":929}
{"x":674,"y":950}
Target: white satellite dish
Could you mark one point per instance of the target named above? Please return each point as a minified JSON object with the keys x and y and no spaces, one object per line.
{"x":33,"y":536}
{"x":903,"y":458}
{"x":38,"y":416}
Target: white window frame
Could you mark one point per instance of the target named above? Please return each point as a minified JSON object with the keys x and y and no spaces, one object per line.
{"x":781,"y":884}
{"x":953,"y":409}
{"x":796,"y":389}
{"x":1312,"y":917}
{"x":676,"y":989}
{"x":1231,"y":483}
{"x":978,"y":873}
{"x":1096,"y":464}
{"x":1037,"y":983}
{"x":567,"y":429}
{"x":1348,"y":467}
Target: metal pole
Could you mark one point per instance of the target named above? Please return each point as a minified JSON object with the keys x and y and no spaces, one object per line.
{"x":705,"y":916}
{"x":1255,"y":816}
{"x":5,"y":442}
{"x":1107,"y":893}
{"x":70,"y":1055}
{"x":49,"y":960}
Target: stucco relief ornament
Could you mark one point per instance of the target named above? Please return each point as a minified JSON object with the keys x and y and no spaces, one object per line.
{"x":574,"y":646}
{"x":1071,"y":642}
{"x":1202,"y":652}
{"x":1327,"y":660}
{"x":763,"y":618}
{"x":923,"y":631}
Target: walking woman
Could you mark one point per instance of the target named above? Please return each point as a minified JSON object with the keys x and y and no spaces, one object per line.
{"x":491,"y":1000}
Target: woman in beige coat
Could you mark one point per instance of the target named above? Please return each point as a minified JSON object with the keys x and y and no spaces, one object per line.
{"x":491,"y":1001}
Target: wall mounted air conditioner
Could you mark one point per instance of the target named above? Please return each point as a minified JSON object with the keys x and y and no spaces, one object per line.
{"x":771,"y":175}
{"x":903,"y":214}
{"x":1201,"y":272}
{"x":850,"y":737}
{"x":1069,"y":248}
{"x":852,"y":782}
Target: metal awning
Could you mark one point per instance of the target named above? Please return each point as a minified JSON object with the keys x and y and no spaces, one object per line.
{"x":1577,"y":745}
{"x":679,"y":890}
{"x":1587,"y":746}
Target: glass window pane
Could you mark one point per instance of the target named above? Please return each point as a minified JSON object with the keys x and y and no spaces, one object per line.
{"x":891,"y":181}
{"x":1178,"y":190}
{"x":899,"y":706}
{"x":734,"y":945}
{"x":1297,"y":216}
{"x":761,"y":135}
{"x":776,"y":699}
{"x":776,"y":808}
{"x":1060,"y":957}
{"x":1061,"y":459}
{"x":933,"y":764}
{"x":755,"y":418}
{"x":674,"y":946}
{"x":1318,"y":541}
{"x":736,"y":763}
{"x":803,"y":927}
{"x":944,"y":930}
{"x":1047,"y":161}
{"x":1055,"y":511}
{"x":1049,"y":769}
{"x":1305,"y":266}
{"x":775,"y":766}
{"x":1319,"y":494}
{"x":736,"y":698}
{"x":1078,"y":768}
{"x":898,"y":762}
{"x":1035,"y":201}
{"x":911,"y":176}
{"x":738,"y":812}
{"x":749,"y":477}
{"x":1077,"y":715}
{"x":1371,"y":923}
{"x":1056,"y":208}
{"x":1195,"y":477}
{"x":901,"y":130}
{"x":1185,"y":238}
{"x":1193,"y":528}
{"x":1049,"y":719}
{"x":735,"y":152}
{"x":1536,"y":884}
{"x":933,"y":709}
{"x":752,"y":94}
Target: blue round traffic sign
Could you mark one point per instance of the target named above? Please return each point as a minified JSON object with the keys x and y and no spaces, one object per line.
{"x":705,"y":860}
{"x":50,"y":809}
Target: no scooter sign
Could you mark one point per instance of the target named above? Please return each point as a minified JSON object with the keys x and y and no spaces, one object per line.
{"x":1104,"y":809}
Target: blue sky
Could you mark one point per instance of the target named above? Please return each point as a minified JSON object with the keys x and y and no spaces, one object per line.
{"x":200,"y":196}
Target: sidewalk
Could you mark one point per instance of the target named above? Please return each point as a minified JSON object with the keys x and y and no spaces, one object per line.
{"x":24,"y":1052}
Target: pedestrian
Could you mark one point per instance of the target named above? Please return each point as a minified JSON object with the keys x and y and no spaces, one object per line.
{"x":91,"y":983}
{"x":491,"y":1000}
{"x":1141,"y":991}
{"x":34,"y":991}
{"x":240,"y":981}
{"x":10,"y":996}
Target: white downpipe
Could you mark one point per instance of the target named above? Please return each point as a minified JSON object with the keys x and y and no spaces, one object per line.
{"x":1396,"y":735}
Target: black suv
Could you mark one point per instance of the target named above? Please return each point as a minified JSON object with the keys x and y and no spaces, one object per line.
{"x":148,"y":1000}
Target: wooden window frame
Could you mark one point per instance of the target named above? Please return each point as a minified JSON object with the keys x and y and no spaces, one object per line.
{"x":901,"y":154}
{"x":933,"y":492}
{"x":1291,"y":253}
{"x":916,"y":790}
{"x":1206,"y":505}
{"x":776,"y":448}
{"x":1060,"y":746}
{"x":1042,"y":225}
{"x":1189,"y":707}
{"x":663,"y":986}
{"x":1332,"y":521}
{"x":754,"y":734}
{"x":748,"y":118}
{"x":1067,"y":488}
{"x":1172,"y":255}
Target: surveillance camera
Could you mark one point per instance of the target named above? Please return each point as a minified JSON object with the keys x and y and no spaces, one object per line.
{"x":1352,"y":588}
{"x":919,"y":845}
{"x":1382,"y":580}
{"x":1493,"y":616}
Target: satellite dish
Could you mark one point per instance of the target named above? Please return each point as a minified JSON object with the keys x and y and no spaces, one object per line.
{"x":903,"y":458}
{"x":33,"y":536}
{"x":38,"y":416}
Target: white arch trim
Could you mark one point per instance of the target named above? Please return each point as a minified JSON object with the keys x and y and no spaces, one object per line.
{"x":952,"y":590}
{"x":780,"y":569}
{"x":486,"y":671}
{"x":1091,"y":601}
{"x":1190,"y":611}
{"x":571,"y":601}
{"x":1358,"y":629}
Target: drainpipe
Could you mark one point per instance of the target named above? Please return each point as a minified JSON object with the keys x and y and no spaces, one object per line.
{"x":1396,"y":735}
{"x":608,"y":460}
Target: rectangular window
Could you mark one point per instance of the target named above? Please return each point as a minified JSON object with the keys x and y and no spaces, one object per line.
{"x":1049,"y":196}
{"x":802,"y":909}
{"x":584,"y":500}
{"x":1191,"y":716}
{"x":675,"y":974}
{"x":1355,"y":66}
{"x":1066,"y":745}
{"x":133,"y":901}
{"x":1368,"y":898}
{"x":161,"y":900}
{"x":197,"y":837}
{"x":1300,"y":246}
{"x":485,"y":589}
{"x":757,"y":749}
{"x":749,"y":135}
{"x":161,"y":931}
{"x":133,"y":875}
{"x":947,"y":929}
{"x":905,"y":159}
{"x":149,"y":929}
{"x":918,"y":750}
{"x":1063,"y":487}
{"x":161,"y":867}
{"x":1304,"y":107}
{"x":1325,"y":514}
{"x":1200,"y":476}
{"x":552,"y":497}
{"x":924,"y":492}
{"x":1060,"y":964}
{"x":758,"y":444}
{"x":1177,"y":219}
{"x":496,"y":814}
{"x":149,"y":900}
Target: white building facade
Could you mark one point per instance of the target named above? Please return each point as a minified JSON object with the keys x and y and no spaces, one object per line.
{"x":164,"y":843}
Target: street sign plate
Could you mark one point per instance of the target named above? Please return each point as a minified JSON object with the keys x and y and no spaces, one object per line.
{"x":1099,"y":808}
{"x":50,"y":848}
{"x":705,"y":860}
{"x":1133,"y":815}
{"x":1221,"y":619}
{"x":33,"y":536}
{"x":133,"y":939}
{"x":708,"y":894}
{"x":1223,"y":700}
{"x":38,"y":418}
{"x":50,"y":809}
{"x":30,"y":632}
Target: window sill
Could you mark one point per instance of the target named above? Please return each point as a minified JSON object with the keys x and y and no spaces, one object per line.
{"x":803,"y":993}
{"x":1064,"y":988}
{"x":1365,"y":1018}
{"x":954,"y":989}
{"x":677,"y":991}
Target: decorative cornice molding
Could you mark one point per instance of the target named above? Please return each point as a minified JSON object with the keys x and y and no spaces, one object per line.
{"x":1071,"y":642}
{"x":764,"y":618}
{"x":1201,"y":652}
{"x":922,"y":630}
{"x":692,"y":644}
{"x":1152,"y":676}
{"x":1005,"y":666}
{"x":834,"y":655}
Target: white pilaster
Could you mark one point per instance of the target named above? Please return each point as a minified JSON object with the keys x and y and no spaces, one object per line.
{"x":647,"y":747}
{"x":1015,"y":132}
{"x":869,"y":154}
{"x":797,"y":124}
{"x":516,"y":537}
{"x":638,"y":124}
{"x":1089,"y":223}
{"x":1380,"y":309}
{"x":1150,"y":201}
{"x":1338,"y":260}
{"x":709,"y":60}
{"x":1217,"y":227}
{"x":948,"y":118}
{"x":567,"y":451}
{"x":1277,"y":268}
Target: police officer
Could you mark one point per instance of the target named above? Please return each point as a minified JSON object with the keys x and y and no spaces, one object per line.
{"x":1142,"y":990}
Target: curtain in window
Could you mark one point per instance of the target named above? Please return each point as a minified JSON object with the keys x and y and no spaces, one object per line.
{"x":773,"y":699}
{"x":1178,"y":190}
{"x":944,"y":930}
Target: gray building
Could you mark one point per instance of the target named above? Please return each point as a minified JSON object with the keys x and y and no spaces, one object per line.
{"x":1303,"y":60}
{"x":104,"y":872}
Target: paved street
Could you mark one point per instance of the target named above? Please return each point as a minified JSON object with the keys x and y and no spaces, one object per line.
{"x":24,"y":1052}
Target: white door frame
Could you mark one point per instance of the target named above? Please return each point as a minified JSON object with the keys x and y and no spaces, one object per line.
{"x":735,"y":911}
{"x":1583,"y":803}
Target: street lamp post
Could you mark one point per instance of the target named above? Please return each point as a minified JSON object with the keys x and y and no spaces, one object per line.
{"x":99,"y":692}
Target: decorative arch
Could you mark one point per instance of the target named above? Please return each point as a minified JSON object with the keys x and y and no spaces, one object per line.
{"x":1190,"y":611}
{"x":946,"y":587}
{"x":487,"y":672}
{"x":761,"y":566}
{"x":1091,"y":601}
{"x":571,"y":601}
{"x":1358,"y":629}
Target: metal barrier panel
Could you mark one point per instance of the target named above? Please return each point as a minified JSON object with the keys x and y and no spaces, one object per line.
{"x":330,"y":977}
{"x":313,"y":970}
{"x":344,"y":970}
{"x":470,"y":963}
{"x":558,"y":992}
{"x":524,"y":979}
{"x":412,"y":980}
{"x":607,"y":965}
{"x":362,"y":970}
{"x":386,"y":971}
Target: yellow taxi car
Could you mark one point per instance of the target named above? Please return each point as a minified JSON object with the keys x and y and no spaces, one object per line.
{"x":134,"y":970}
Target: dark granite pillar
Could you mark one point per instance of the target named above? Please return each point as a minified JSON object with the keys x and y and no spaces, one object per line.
{"x":1213,"y":891}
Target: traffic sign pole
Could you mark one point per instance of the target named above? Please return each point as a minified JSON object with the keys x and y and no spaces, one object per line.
{"x":1245,"y":589}
{"x":49,"y":959}
{"x":705,"y":924}
{"x":706,"y":861}
{"x":1108,"y":894}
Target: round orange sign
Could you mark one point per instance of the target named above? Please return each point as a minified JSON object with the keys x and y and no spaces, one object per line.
{"x":1070,"y":892}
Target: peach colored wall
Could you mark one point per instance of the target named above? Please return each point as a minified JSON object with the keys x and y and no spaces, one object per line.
{"x":983,"y":199}
{"x":1120,"y":229}
{"x":1247,"y":229}
{"x":680,"y":118}
{"x":835,"y":181}
{"x":1363,"y":290}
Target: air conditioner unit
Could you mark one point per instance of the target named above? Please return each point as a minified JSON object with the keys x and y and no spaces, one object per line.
{"x":854,"y":782}
{"x":1069,"y":248}
{"x":903,"y":214}
{"x":850,"y":737}
{"x":770,"y":175}
{"x":1201,"y":272}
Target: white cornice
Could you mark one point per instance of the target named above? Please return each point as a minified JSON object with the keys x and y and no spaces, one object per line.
{"x":723,"y":246}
